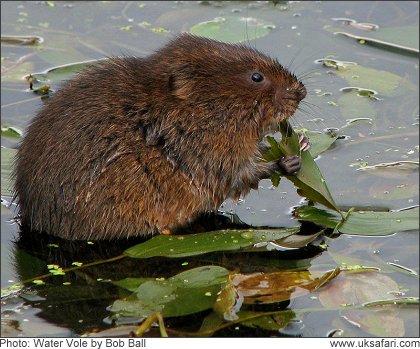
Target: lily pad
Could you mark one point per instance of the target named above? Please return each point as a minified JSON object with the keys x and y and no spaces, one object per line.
{"x":62,"y":72}
{"x":381,"y":81}
{"x":362,"y":222}
{"x":361,"y":289}
{"x":196,"y":244}
{"x":233,"y":29}
{"x":7,"y":164}
{"x":186,"y":293}
{"x":385,"y":191}
{"x":369,"y":79}
{"x":354,"y":106}
{"x":404,"y":39}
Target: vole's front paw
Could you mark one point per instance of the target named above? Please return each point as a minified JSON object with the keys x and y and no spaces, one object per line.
{"x":289,"y":165}
{"x":304,"y":142}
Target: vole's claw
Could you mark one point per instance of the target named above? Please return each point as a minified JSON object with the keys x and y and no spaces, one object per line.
{"x":289,"y":165}
{"x":304,"y":142}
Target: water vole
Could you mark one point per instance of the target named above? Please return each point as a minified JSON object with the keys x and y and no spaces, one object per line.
{"x":138,"y":146}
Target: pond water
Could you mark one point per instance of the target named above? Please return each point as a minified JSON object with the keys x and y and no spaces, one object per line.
{"x":373,"y":129}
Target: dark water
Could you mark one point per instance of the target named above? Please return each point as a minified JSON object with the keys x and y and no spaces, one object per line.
{"x":301,"y":34}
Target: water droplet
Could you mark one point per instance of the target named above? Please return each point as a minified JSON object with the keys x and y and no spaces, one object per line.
{"x":247,"y":235}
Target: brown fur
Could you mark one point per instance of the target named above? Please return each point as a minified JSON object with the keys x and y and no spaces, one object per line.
{"x":134,"y":146}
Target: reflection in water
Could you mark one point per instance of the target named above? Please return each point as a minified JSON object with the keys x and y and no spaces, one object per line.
{"x":79,"y":298}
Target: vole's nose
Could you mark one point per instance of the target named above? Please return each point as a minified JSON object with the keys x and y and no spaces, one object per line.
{"x":290,"y":93}
{"x":301,"y":92}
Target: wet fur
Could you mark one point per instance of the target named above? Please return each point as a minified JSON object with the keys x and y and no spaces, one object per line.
{"x":134,"y":146}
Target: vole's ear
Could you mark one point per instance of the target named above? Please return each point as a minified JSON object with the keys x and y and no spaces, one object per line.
{"x":181,"y":81}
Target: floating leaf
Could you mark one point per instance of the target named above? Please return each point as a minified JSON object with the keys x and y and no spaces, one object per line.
{"x":290,"y":242}
{"x":392,"y":169}
{"x":352,"y":106}
{"x":267,"y":288}
{"x":381,"y":81}
{"x":7,"y":164}
{"x":229,"y":301}
{"x":406,"y":36}
{"x":363,"y":222}
{"x":22,"y":40}
{"x":196,"y":244}
{"x":11,"y":132}
{"x":353,"y":23}
{"x":233,"y":29}
{"x":271,"y":321}
{"x":186,"y":293}
{"x":361,"y":289}
{"x":386,"y":191}
{"x":62,"y":72}
{"x":393,"y":301}
{"x":404,"y":42}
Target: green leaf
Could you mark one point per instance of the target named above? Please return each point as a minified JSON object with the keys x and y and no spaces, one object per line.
{"x":381,"y":81}
{"x":275,"y":179}
{"x":394,"y":169}
{"x":62,"y":72}
{"x":131,"y":284}
{"x":196,"y":244}
{"x":274,"y":152}
{"x":290,"y":242}
{"x":11,"y":132}
{"x":271,"y":321}
{"x":233,"y":29}
{"x":7,"y":164}
{"x":353,"y":106}
{"x":309,"y":180}
{"x":404,"y":39}
{"x":320,"y":141}
{"x":363,"y":222}
{"x":407,"y":36}
{"x":186,"y":293}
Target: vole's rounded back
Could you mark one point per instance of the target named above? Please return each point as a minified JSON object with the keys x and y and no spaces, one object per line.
{"x":134,"y":146}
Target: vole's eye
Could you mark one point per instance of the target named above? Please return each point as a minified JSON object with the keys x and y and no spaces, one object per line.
{"x":257,"y":77}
